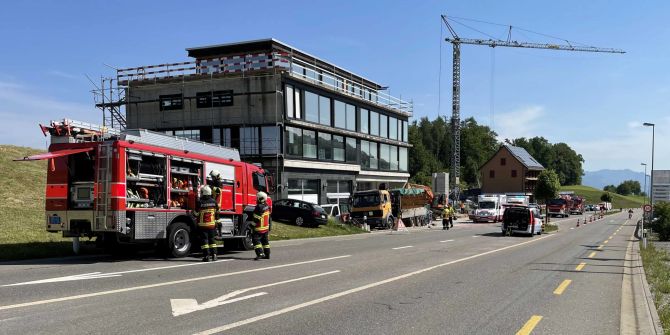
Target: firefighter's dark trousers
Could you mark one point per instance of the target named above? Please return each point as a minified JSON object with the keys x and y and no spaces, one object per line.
{"x":261,"y":244}
{"x":445,"y":223}
{"x":208,"y":245}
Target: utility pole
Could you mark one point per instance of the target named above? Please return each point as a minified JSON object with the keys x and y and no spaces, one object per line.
{"x":456,"y":42}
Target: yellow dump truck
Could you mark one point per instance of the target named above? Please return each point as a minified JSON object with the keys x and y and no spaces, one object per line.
{"x":373,"y":207}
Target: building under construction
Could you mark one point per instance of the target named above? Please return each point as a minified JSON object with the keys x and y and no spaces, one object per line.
{"x":322,"y":130}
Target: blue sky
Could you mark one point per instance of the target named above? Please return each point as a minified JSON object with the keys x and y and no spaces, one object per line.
{"x":594,"y":102}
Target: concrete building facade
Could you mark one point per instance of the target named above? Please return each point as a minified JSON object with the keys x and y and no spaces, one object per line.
{"x":323,"y":131}
{"x":661,"y":186}
{"x":510,"y":170}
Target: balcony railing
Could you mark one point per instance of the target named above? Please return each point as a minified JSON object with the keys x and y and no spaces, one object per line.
{"x":244,"y":64}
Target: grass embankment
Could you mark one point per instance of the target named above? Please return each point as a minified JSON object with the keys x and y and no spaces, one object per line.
{"x":22,"y":225}
{"x":656,"y":263}
{"x":22,"y":231}
{"x":283,"y":231}
{"x":592,"y":196}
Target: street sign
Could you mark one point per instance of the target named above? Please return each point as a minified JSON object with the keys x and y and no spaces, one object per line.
{"x":647,"y":208}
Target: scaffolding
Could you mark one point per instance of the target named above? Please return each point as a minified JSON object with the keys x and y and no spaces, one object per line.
{"x":110,"y":97}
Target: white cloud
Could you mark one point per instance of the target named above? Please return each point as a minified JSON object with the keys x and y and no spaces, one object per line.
{"x":523,"y":122}
{"x":23,"y":108}
{"x":63,"y":74}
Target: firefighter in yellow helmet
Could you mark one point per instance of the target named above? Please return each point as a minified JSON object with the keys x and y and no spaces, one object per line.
{"x":207,"y":211}
{"x":261,"y":227}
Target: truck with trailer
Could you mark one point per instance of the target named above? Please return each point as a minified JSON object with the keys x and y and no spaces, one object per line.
{"x":411,"y":204}
{"x":138,"y":186}
{"x":490,"y":208}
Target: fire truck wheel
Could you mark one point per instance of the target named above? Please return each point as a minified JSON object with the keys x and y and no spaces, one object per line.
{"x":179,"y":240}
{"x":246,"y":243}
{"x":389,"y":222}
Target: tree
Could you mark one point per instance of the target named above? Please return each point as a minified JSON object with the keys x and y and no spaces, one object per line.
{"x":628,"y":187}
{"x":606,"y":197}
{"x":547,"y":186}
{"x":610,"y":188}
{"x":662,"y":223}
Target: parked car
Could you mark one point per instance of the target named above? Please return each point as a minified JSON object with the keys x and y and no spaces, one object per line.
{"x":302,"y":213}
{"x":338,"y":211}
{"x":521,"y":219}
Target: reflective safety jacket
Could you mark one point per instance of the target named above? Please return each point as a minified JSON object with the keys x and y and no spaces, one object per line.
{"x":448,"y":212}
{"x":262,"y":218}
{"x":207,"y":210}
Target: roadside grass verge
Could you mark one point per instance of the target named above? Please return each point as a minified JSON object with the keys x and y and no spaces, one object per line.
{"x":550,"y":227}
{"x":592,"y":196}
{"x":656,"y":263}
{"x":283,"y":231}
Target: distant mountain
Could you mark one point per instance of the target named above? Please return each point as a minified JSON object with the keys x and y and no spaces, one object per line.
{"x":602,"y":178}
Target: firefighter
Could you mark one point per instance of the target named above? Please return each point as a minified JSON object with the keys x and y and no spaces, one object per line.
{"x":216,"y":183}
{"x":206,"y":211}
{"x":446,"y":214}
{"x":261,"y":227}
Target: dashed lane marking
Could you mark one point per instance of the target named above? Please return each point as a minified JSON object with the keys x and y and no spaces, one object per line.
{"x":446,"y":241}
{"x":580,"y":266}
{"x":561,"y":288}
{"x":405,"y":247}
{"x":592,"y":254}
{"x":530,"y":325}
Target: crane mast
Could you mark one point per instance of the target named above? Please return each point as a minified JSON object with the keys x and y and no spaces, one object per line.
{"x":456,"y":42}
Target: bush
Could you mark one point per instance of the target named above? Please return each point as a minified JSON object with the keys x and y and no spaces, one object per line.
{"x":662,"y":223}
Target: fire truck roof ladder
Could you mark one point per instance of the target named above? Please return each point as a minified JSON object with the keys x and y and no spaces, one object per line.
{"x":175,"y":142}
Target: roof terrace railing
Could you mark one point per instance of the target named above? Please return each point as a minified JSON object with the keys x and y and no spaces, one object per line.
{"x":243,"y":64}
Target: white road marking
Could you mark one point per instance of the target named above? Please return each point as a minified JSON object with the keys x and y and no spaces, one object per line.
{"x":98,"y":275}
{"x":446,"y":241}
{"x":571,"y":228}
{"x":475,"y":235}
{"x":354,"y":290}
{"x":407,"y":246}
{"x":185,"y":306}
{"x":135,"y":288}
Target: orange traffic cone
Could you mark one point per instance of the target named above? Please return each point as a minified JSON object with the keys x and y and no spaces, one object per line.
{"x":578,"y":222}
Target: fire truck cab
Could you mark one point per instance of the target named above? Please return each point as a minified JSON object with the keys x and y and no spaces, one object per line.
{"x":140,"y":186}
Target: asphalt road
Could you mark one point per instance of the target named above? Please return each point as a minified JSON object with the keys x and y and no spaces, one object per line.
{"x":468,"y":280}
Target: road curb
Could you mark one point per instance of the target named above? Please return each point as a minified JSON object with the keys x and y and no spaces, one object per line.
{"x":638,"y":312}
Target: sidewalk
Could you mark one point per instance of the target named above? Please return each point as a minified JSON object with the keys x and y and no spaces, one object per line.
{"x":638,"y":312}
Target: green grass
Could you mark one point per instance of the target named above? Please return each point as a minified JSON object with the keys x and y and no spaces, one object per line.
{"x":592,"y":196}
{"x":548,"y":228}
{"x":283,"y":231}
{"x":657,"y":269}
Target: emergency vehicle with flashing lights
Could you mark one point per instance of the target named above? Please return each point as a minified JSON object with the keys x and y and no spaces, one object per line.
{"x":138,"y":186}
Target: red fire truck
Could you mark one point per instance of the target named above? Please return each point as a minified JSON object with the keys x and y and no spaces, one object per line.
{"x":140,"y":186}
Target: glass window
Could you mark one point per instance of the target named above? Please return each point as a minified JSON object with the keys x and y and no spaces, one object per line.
{"x":394,"y":158}
{"x":270,"y":140}
{"x":393,"y":128}
{"x":383,"y":126}
{"x":351,"y":149}
{"x":294,"y":141}
{"x":290,"y":112}
{"x":298,"y":102}
{"x":351,"y":117}
{"x":402,"y":153}
{"x":384,"y":157}
{"x":225,"y":138}
{"x":311,"y":107}
{"x":171,"y":102}
{"x":364,"y":121}
{"x":216,"y":136}
{"x":338,"y":148}
{"x":249,"y":141}
{"x":193,"y":134}
{"x":373,"y":156}
{"x":405,"y":130}
{"x":308,"y":144}
{"x":365,"y":154}
{"x":399,"y":130}
{"x":325,"y":147}
{"x":340,"y":114}
{"x":324,"y":111}
{"x":374,"y":123}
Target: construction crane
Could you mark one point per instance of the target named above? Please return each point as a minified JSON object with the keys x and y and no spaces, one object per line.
{"x":456,"y":42}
